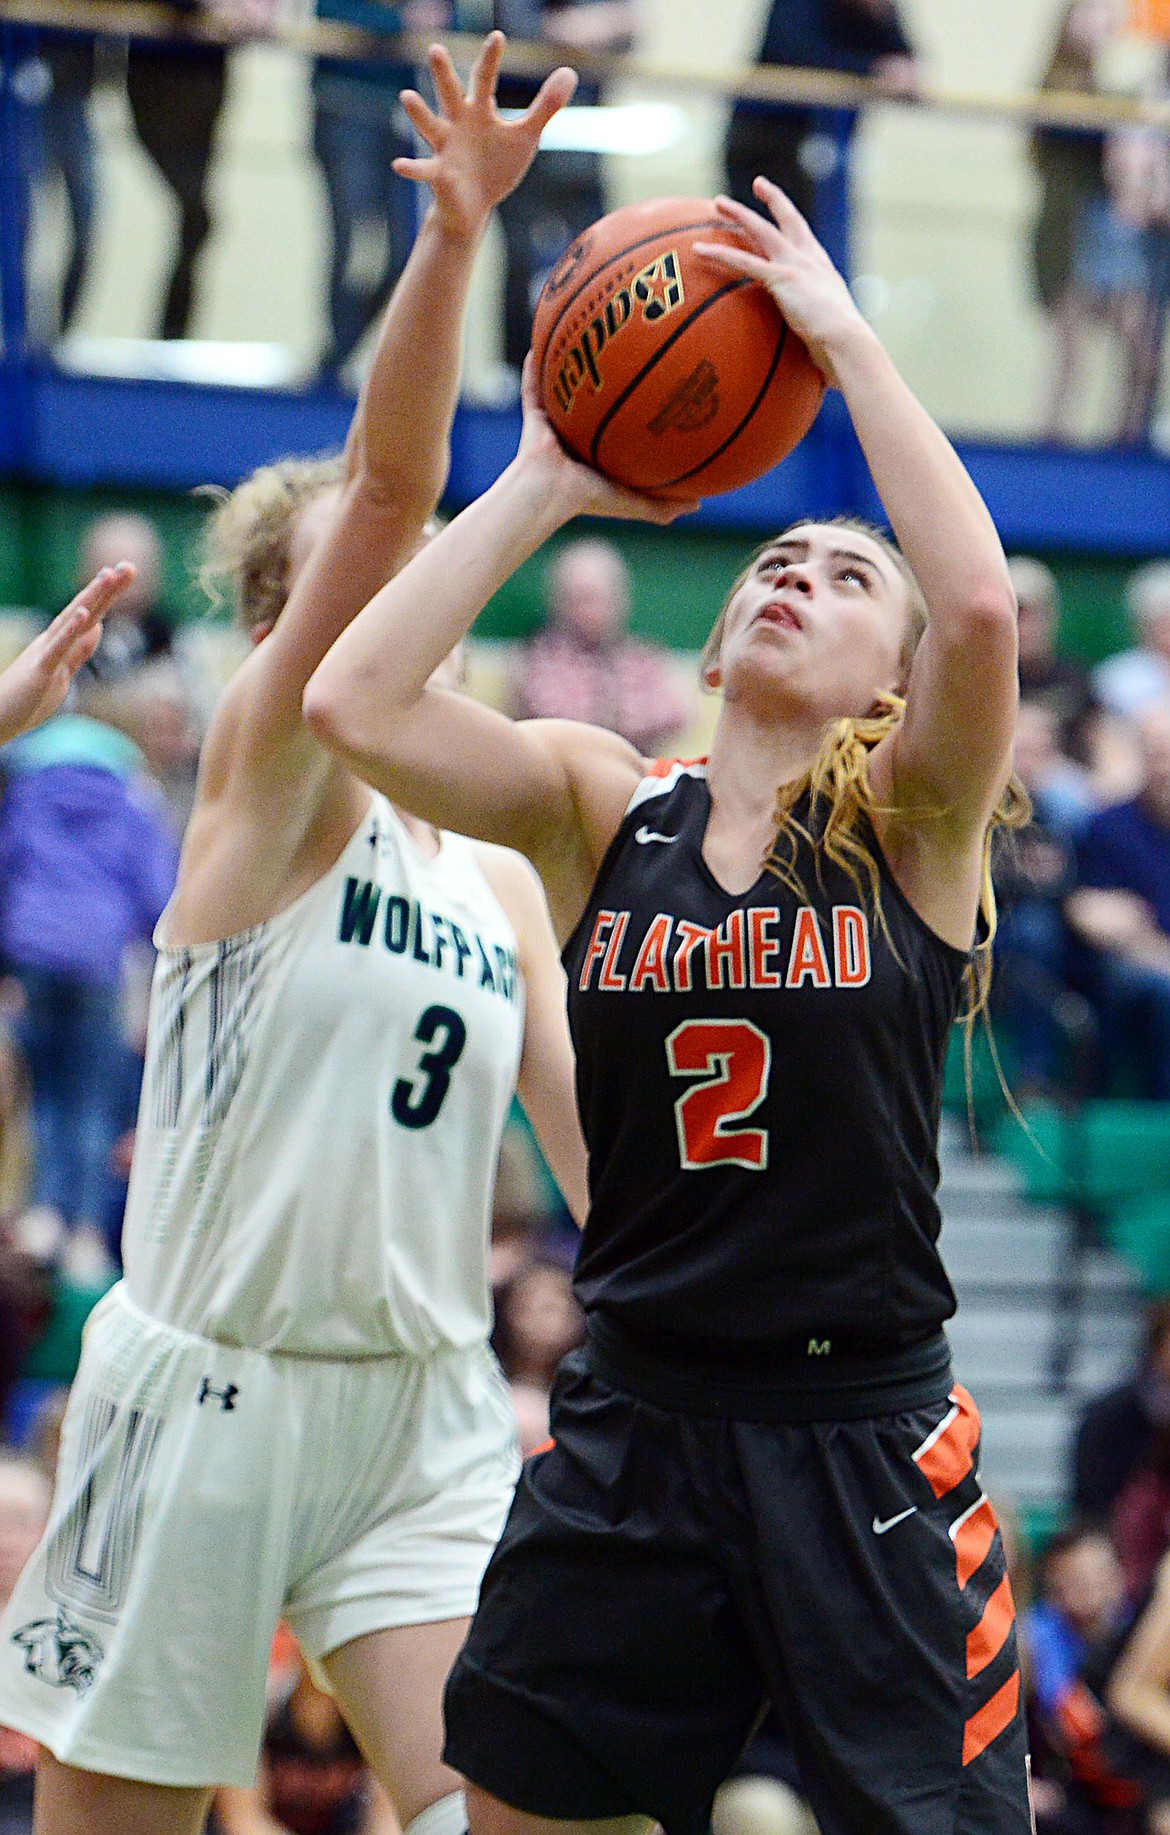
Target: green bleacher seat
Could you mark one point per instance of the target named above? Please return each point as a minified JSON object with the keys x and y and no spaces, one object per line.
{"x":1112,"y":1157}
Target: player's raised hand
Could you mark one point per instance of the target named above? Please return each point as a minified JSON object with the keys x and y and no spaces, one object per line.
{"x":35,"y":685}
{"x":785,"y":256}
{"x":583,"y":490}
{"x":476,"y":157}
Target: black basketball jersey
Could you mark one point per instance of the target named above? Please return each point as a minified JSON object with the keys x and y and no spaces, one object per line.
{"x":759,"y":1081}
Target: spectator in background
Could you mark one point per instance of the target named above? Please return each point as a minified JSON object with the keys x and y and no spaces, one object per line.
{"x":584,"y":666}
{"x":1139,"y":1697}
{"x":87,"y":862}
{"x":1033,"y":872}
{"x":1046,"y":675}
{"x":1122,"y":1429}
{"x":1086,"y":734}
{"x":158,"y":714}
{"x":24,"y":1511}
{"x":795,"y":147}
{"x":1093,"y":249}
{"x":1133,"y":679}
{"x":1070,"y":1637}
{"x":563,"y":192}
{"x":176,"y":92}
{"x":1120,"y":912}
{"x":138,"y":627}
{"x":359,"y":130}
{"x":538,"y":1321}
{"x":54,"y":141}
{"x":1078,"y":243}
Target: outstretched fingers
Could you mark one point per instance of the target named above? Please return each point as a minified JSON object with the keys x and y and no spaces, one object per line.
{"x":75,"y":633}
{"x":426,"y":124}
{"x":95,"y":599}
{"x":784,"y":212}
{"x":448,"y":88}
{"x":554,"y":93}
{"x":481,"y":90}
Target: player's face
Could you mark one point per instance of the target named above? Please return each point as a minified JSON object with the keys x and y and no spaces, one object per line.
{"x":822,"y":616}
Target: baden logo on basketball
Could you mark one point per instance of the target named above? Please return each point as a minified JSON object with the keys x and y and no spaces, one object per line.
{"x":657,"y":289}
{"x":693,"y":404}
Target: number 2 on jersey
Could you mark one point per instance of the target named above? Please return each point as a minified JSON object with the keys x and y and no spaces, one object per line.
{"x":416,"y":1105}
{"x":733,"y":1057}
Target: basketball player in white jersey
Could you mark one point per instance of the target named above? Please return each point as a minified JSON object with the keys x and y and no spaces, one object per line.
{"x":288,"y":1406}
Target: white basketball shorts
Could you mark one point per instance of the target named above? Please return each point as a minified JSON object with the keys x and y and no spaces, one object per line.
{"x":204,"y":1492}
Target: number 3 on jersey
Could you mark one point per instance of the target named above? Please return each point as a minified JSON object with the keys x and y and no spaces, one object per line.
{"x":413,"y":1104}
{"x":734,"y":1058}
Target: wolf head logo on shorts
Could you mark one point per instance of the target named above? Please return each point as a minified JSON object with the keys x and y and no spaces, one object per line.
{"x":60,"y":1653}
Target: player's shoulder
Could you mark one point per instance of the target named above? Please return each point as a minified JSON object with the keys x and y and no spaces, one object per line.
{"x":511,"y":876}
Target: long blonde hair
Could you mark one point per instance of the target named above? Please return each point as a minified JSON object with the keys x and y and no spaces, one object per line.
{"x":840,"y":806}
{"x":249,"y":535}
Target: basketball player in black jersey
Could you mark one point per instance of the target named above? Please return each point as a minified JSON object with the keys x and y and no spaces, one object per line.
{"x":764,"y":1481}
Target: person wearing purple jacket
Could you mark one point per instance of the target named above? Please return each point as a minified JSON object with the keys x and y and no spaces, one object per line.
{"x":88,"y":859}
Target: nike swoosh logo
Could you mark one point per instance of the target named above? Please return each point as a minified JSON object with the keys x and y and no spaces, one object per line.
{"x":645,"y":835}
{"x":880,"y":1528}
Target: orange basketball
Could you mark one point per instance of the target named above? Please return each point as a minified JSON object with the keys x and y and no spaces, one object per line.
{"x":661,"y":369}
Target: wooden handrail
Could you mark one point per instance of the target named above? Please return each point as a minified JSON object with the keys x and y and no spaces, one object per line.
{"x":764,"y":83}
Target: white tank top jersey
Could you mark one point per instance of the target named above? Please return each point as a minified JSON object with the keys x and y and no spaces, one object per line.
{"x":322,"y":1108}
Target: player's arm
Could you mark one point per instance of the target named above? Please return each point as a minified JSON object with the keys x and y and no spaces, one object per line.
{"x":1139,"y":1688}
{"x":34,"y":685}
{"x":951,"y":758}
{"x":397,"y":452}
{"x":546,"y":1084}
{"x":554,"y":790}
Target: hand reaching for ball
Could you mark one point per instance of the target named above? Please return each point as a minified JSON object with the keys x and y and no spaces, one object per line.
{"x":587,"y":492}
{"x":785,"y":257}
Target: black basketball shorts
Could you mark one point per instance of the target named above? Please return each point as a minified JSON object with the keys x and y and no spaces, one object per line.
{"x":663,"y":1575}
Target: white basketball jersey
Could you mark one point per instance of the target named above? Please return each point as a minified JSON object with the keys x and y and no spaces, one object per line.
{"x":322,"y":1109}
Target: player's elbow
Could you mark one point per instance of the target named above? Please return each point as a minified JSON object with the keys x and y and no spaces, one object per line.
{"x":989,"y":612}
{"x":331,"y":708}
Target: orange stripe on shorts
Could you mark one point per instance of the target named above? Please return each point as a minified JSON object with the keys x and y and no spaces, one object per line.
{"x":991,"y":1719}
{"x":991,"y":1633}
{"x":546,"y":1446}
{"x":972,"y":1534}
{"x":948,"y":1454}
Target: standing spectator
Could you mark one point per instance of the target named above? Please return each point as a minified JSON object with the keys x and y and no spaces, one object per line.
{"x":1121,"y":911}
{"x":176,"y":92}
{"x":359,"y":130}
{"x":54,"y":140}
{"x":1132,"y":679}
{"x":1092,"y":259}
{"x":584,"y":666}
{"x":794,"y":147}
{"x":87,"y":862}
{"x":563,"y":193}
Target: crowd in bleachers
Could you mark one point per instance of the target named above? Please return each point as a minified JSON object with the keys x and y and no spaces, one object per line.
{"x":1084,"y":892}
